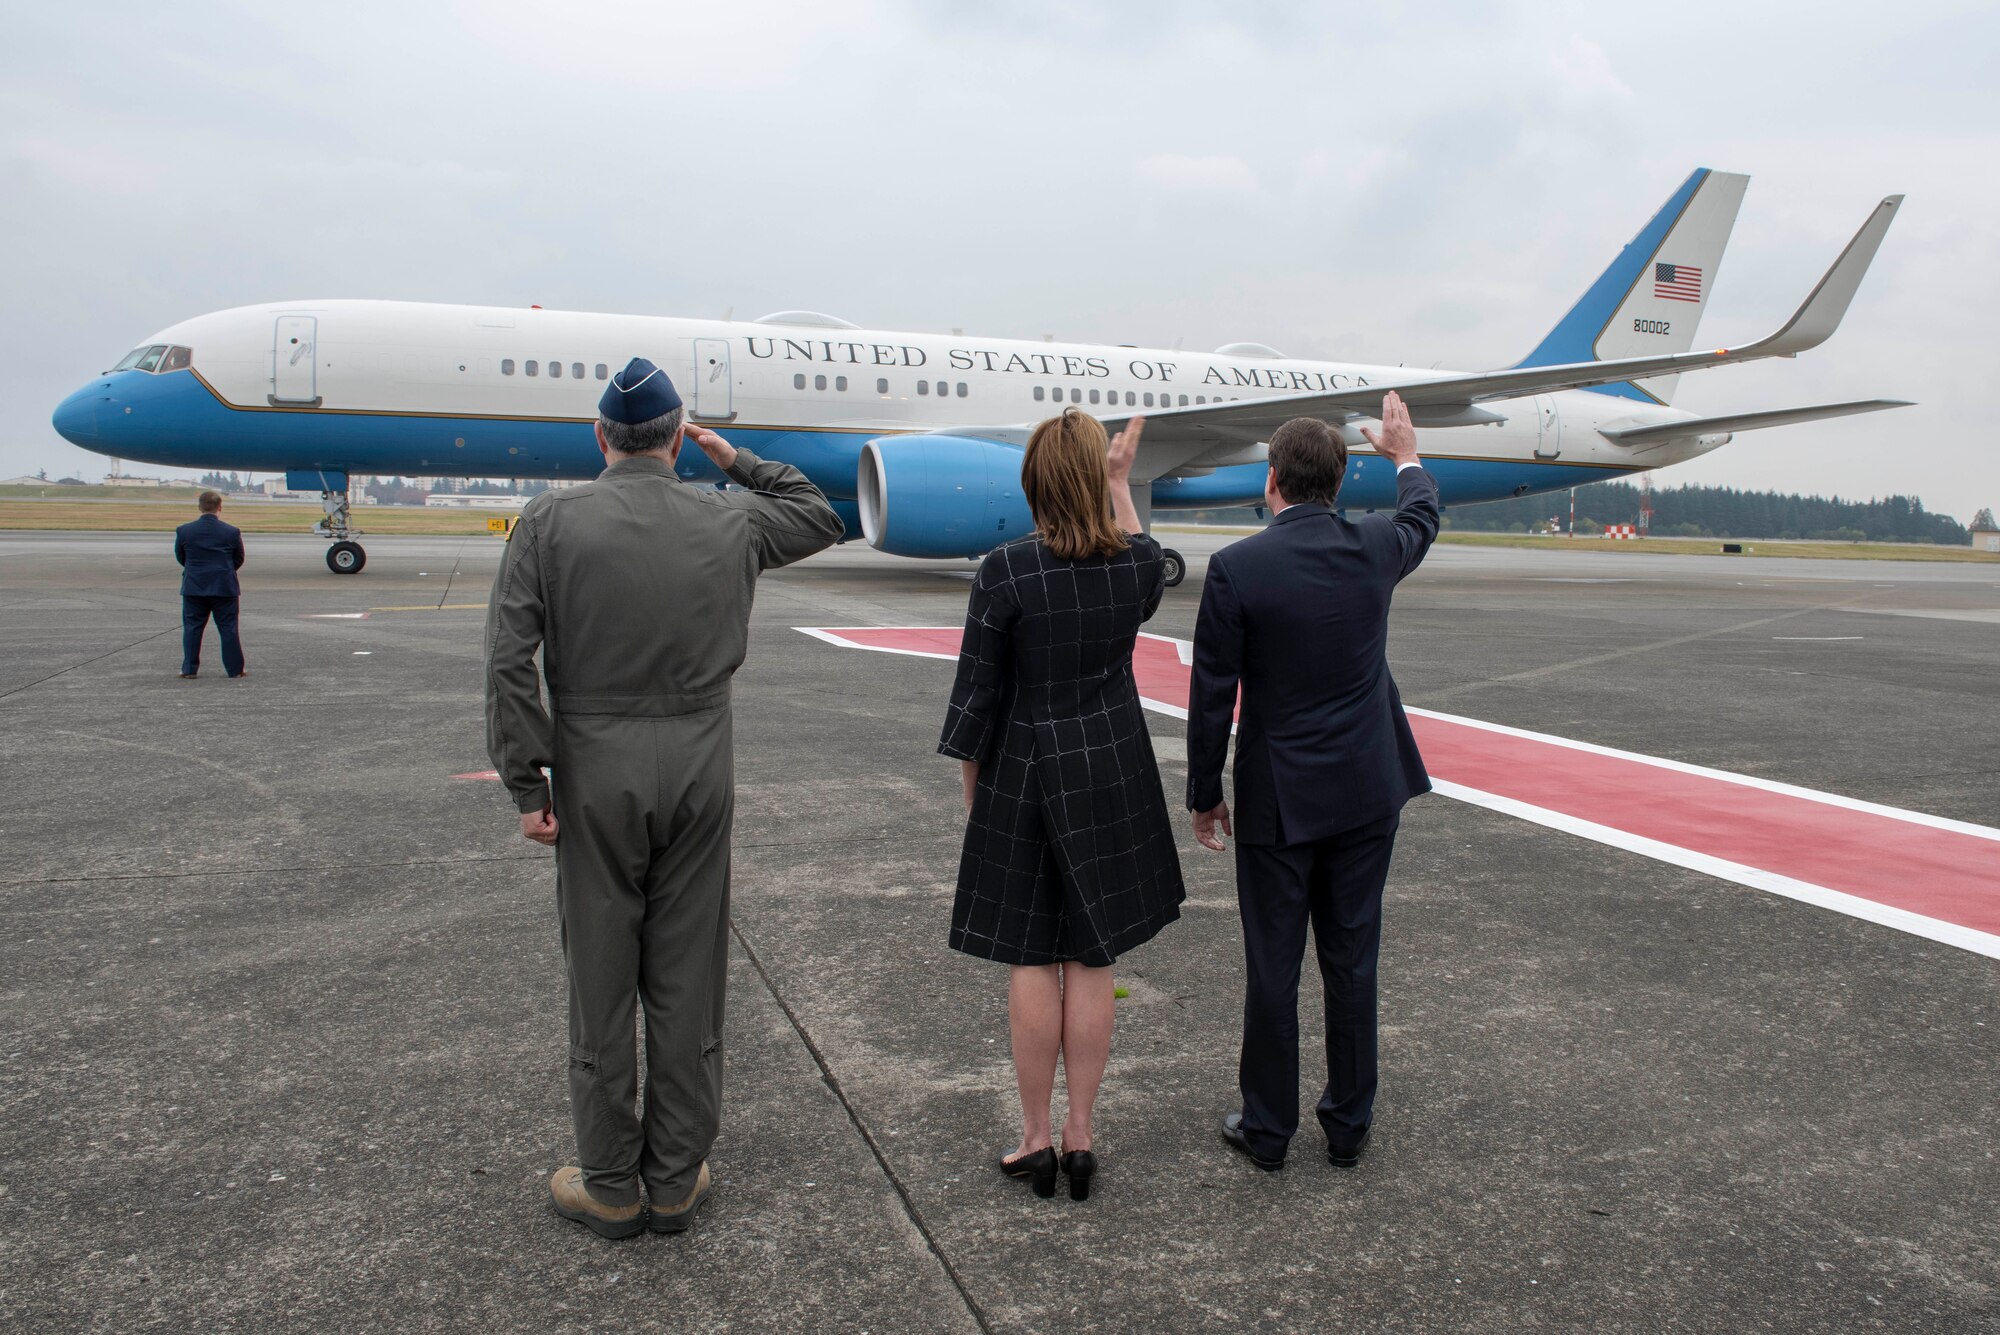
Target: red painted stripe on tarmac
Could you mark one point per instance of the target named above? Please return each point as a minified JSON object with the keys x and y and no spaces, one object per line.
{"x":1905,"y":861}
{"x":1939,"y":873}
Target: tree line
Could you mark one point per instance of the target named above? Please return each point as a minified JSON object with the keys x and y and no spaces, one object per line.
{"x":1720,"y":512}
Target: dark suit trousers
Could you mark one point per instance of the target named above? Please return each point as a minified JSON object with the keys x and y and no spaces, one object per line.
{"x":195,"y":612}
{"x":1336,"y":885}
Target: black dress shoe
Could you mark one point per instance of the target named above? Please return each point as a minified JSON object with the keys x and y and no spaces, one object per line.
{"x":1039,"y":1168}
{"x":1233,"y":1136}
{"x":1080,"y":1166}
{"x":1347,"y":1156}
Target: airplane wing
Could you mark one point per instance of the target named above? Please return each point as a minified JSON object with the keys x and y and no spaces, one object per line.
{"x":1208,"y":435}
{"x":1705,"y":426}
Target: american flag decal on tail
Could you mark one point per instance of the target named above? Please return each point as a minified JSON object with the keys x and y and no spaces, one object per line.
{"x":1677,"y":282}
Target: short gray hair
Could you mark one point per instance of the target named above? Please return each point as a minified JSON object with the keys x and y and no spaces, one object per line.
{"x":641,"y":437}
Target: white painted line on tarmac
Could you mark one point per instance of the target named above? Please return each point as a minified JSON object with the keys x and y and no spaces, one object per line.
{"x":1886,"y":915}
{"x":1987,"y":615}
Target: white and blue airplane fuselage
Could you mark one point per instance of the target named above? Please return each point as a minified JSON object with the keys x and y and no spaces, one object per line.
{"x":444,"y":391}
{"x":914,"y":437}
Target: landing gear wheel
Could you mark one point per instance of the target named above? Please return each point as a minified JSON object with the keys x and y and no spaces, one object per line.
{"x":346,"y":558}
{"x":1176,"y":566}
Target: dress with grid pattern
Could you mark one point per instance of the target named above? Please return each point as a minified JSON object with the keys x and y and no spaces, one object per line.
{"x":1069,"y":853}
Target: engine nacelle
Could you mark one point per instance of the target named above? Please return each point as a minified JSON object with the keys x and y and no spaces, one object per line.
{"x":940,"y":495}
{"x":850,"y":517}
{"x":1234,"y":484}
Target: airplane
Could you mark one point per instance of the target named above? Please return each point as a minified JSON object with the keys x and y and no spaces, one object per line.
{"x":916,"y":439}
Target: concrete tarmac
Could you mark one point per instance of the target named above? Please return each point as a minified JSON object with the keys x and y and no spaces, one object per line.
{"x":284,"y":1023}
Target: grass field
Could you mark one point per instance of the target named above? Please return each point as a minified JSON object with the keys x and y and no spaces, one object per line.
{"x":1753,"y":547}
{"x":100,"y":493}
{"x":122,"y":515}
{"x":255,"y":517}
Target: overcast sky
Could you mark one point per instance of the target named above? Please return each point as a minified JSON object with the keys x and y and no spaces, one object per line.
{"x":1431,"y":185}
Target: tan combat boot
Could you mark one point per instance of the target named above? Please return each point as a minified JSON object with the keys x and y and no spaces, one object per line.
{"x":573,"y":1201}
{"x":677,"y":1218}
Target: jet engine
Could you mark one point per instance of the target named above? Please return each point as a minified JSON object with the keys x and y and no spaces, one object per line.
{"x":1233,"y":484}
{"x":933,"y":495}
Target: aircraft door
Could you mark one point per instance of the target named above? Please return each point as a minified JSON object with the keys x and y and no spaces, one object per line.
{"x":1548,"y":443}
{"x":712,"y":380}
{"x":294,"y":354}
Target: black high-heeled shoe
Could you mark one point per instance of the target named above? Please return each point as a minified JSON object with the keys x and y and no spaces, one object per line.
{"x":1080,"y":1166}
{"x":1039,"y":1168}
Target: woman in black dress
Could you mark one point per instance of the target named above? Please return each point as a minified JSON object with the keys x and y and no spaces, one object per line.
{"x":1069,"y":854}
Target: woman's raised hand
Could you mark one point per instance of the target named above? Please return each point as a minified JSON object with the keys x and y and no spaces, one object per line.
{"x":1124,"y":449}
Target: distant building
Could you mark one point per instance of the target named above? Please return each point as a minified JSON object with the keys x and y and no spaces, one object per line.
{"x":128,"y":480}
{"x":458,"y":500}
{"x":1985,"y":533}
{"x":274,"y":489}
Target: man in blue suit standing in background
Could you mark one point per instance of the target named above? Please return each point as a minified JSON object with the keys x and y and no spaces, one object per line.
{"x":210,"y":553}
{"x":1299,"y":616}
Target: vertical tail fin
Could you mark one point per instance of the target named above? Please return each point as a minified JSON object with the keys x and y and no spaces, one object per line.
{"x":1651,"y":298}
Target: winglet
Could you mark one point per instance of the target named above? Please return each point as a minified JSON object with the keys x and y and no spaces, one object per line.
{"x":1814,"y":322}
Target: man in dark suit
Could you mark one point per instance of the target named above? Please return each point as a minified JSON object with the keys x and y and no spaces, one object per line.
{"x":1299,"y":616}
{"x":210,"y":553}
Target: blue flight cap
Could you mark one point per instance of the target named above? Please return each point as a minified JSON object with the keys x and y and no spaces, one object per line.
{"x":639,"y":393}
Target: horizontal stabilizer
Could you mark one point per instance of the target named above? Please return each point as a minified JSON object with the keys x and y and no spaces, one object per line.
{"x":1713,"y":426}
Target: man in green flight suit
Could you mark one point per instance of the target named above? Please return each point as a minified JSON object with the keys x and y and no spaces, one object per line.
{"x":636,"y":588}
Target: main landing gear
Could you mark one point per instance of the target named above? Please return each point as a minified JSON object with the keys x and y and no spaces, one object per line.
{"x":1175,"y":565}
{"x":345,"y":557}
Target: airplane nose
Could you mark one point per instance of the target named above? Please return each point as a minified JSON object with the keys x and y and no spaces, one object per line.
{"x":75,"y":417}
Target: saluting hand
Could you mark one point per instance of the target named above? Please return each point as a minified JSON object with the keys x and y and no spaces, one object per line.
{"x":719,"y":451}
{"x":1398,"y":441}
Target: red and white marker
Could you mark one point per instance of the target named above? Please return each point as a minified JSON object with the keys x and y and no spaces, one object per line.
{"x":1921,"y":874}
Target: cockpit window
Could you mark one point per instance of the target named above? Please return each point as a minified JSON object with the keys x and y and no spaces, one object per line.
{"x":156,"y":357}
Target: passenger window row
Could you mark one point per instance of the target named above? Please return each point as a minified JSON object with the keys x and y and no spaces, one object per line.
{"x":1133,"y":399}
{"x":924,"y":387}
{"x":601,"y":371}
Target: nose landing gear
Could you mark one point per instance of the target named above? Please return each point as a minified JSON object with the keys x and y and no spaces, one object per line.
{"x":345,"y":557}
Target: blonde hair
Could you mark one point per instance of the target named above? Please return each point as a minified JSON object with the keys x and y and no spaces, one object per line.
{"x":1063,"y":475}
